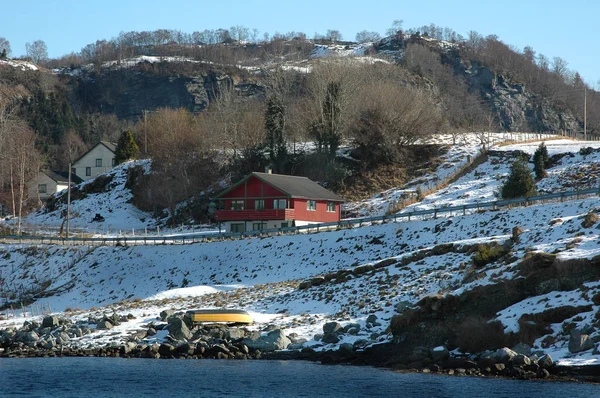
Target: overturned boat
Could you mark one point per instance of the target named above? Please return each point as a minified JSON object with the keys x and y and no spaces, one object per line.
{"x":220,"y":315}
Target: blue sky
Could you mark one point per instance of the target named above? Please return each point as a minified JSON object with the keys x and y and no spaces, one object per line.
{"x":552,"y":27}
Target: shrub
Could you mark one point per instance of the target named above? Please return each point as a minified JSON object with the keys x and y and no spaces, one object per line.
{"x":589,"y":220}
{"x":540,"y":161}
{"x":519,"y":183}
{"x":487,"y":254}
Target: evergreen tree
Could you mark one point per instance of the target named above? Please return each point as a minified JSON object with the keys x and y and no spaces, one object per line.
{"x":540,"y":161}
{"x":520,"y":182}
{"x":127,"y":148}
{"x":3,"y":55}
{"x":275,"y":125}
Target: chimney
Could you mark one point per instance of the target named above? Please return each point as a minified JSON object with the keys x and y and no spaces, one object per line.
{"x":269,"y":170}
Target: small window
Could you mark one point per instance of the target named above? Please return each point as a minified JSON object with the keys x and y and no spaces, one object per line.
{"x":311,"y":205}
{"x":42,"y":188}
{"x":88,"y":171}
{"x":259,"y":226}
{"x":284,"y":225}
{"x":279,"y":203}
{"x":331,"y":207}
{"x":237,"y":205}
{"x":259,"y":204}
{"x":98,"y":162}
{"x":238,"y":227}
{"x":114,"y":162}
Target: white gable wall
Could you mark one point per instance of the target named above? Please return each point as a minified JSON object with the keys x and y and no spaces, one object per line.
{"x":88,"y":160}
{"x":43,"y":181}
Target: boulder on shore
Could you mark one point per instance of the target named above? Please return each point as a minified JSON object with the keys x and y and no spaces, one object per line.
{"x":274,"y":340}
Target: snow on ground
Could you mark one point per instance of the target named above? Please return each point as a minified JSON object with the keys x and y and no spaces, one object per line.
{"x":114,"y":205}
{"x":461,"y":148}
{"x":23,"y":65}
{"x":261,"y":275}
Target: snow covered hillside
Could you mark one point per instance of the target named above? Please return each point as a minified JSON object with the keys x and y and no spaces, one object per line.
{"x":112,"y":201}
{"x":361,"y":276}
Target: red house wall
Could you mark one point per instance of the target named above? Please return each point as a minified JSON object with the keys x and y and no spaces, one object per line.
{"x":320,"y":215}
{"x":253,"y":188}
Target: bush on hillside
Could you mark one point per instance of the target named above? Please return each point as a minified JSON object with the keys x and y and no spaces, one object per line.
{"x":540,"y":161}
{"x":127,"y":148}
{"x":520,"y":183}
{"x":487,"y":254}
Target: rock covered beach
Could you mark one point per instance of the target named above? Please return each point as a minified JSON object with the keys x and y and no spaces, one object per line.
{"x":61,"y":337}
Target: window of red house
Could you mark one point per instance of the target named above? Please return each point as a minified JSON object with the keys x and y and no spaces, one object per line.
{"x":311,"y":205}
{"x":331,"y":207}
{"x":237,"y":205}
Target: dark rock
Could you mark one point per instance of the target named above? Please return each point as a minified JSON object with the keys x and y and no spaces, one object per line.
{"x":330,"y":338}
{"x":166,"y":350}
{"x":504,"y":355}
{"x":372,"y":320}
{"x":104,"y":324}
{"x":332,"y":327}
{"x":439,"y":354}
{"x":521,"y":360}
{"x":522,"y":348}
{"x":178,"y":329}
{"x":580,"y":342}
{"x":274,"y":340}
{"x":546,"y":361}
{"x":235,"y":333}
{"x":166,"y":314}
{"x":50,"y":322}
{"x":542,"y":374}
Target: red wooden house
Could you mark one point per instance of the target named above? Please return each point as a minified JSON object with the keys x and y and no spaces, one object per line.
{"x":265,"y":201}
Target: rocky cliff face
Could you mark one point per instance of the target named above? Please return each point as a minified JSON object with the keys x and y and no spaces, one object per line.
{"x":129,"y":92}
{"x":517,"y":108}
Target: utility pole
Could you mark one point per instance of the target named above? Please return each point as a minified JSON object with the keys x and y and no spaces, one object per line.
{"x":585,"y":114}
{"x":69,"y":202}
{"x":145,"y":134}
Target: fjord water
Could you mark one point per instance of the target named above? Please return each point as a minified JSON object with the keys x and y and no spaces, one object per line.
{"x":114,"y":377}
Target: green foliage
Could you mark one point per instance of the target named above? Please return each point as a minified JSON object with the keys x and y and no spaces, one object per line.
{"x":275,"y":125}
{"x":487,"y":254}
{"x":540,"y":161}
{"x":127,"y":148}
{"x":50,"y":115}
{"x":520,"y":182}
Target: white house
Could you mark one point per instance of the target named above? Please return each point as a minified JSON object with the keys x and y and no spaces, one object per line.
{"x":95,"y":161}
{"x":48,"y":182}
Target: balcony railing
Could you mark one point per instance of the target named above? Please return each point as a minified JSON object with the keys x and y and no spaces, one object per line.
{"x":249,"y":215}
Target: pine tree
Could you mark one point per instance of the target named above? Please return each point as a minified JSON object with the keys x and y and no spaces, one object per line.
{"x":520,"y":182}
{"x":127,"y":148}
{"x":540,"y":161}
{"x":275,"y":126}
{"x":3,"y":55}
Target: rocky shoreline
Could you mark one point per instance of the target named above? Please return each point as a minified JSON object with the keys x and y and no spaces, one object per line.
{"x":59,"y":337}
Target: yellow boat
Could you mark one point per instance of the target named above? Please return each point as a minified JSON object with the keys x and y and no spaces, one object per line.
{"x":222,"y":315}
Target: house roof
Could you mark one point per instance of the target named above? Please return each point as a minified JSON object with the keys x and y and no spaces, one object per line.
{"x":110,"y":145}
{"x":62,"y":176}
{"x":294,"y":186}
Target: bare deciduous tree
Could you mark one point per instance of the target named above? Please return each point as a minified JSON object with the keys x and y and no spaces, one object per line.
{"x":5,"y":46}
{"x":37,"y":51}
{"x":366,"y":36}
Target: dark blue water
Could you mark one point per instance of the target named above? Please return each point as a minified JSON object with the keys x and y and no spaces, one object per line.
{"x":114,"y":377}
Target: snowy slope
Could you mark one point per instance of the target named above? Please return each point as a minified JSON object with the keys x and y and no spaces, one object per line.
{"x":114,"y":205}
{"x":262,"y":275}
